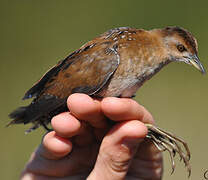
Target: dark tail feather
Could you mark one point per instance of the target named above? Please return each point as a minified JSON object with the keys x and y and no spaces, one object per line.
{"x":39,"y":112}
{"x":18,"y":116}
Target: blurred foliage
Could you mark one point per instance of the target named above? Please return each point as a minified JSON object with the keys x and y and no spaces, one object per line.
{"x":36,"y":34}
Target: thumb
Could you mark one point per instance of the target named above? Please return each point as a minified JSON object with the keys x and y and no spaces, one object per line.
{"x":117,"y":150}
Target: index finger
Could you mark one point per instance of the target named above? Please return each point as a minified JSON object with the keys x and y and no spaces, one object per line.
{"x":85,"y":108}
{"x":122,"y":109}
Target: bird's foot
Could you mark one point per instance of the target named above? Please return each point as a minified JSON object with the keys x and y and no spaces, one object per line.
{"x":166,"y":141}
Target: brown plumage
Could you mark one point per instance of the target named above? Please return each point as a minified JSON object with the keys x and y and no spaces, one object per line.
{"x":115,"y":63}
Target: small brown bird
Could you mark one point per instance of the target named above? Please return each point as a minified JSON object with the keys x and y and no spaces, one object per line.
{"x":115,"y":63}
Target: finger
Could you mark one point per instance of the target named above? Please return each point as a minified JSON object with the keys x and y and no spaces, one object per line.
{"x":66,"y":125}
{"x":147,"y":163}
{"x":54,"y":146}
{"x":117,"y":150}
{"x":44,"y":163}
{"x":85,"y":136}
{"x":83,"y":107}
{"x":121,"y":109}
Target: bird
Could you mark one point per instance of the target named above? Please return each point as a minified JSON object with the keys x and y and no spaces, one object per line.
{"x":114,"y":64}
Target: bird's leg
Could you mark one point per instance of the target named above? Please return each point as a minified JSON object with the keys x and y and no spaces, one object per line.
{"x":35,"y":126}
{"x":167,"y":141}
{"x":46,"y":127}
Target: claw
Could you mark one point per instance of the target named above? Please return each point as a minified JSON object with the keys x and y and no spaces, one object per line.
{"x":165,"y":147}
{"x":171,"y":156}
{"x":167,"y":141}
{"x":178,"y":139}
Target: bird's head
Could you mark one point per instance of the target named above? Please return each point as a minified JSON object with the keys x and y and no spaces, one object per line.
{"x":181,"y":46}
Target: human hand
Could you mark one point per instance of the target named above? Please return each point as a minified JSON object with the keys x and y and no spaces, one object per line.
{"x":84,"y":145}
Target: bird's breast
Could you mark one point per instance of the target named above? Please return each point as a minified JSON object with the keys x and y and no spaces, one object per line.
{"x":127,"y":83}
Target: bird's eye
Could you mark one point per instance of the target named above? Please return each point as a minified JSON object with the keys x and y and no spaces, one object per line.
{"x":181,"y":48}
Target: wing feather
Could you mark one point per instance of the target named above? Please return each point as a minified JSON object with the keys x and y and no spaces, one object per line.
{"x":87,"y":73}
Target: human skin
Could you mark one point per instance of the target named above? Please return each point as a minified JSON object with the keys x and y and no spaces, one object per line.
{"x":84,"y":145}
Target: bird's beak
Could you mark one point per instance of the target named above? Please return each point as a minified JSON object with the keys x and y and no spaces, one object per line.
{"x":194,"y":61}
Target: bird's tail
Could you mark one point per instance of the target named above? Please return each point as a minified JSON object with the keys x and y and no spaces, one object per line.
{"x":39,"y":112}
{"x":19,"y":116}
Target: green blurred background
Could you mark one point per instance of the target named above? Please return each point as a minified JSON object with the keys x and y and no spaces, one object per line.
{"x":36,"y":34}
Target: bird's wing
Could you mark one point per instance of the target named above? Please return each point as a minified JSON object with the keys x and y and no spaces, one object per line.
{"x":47,"y":77}
{"x":85,"y":71}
